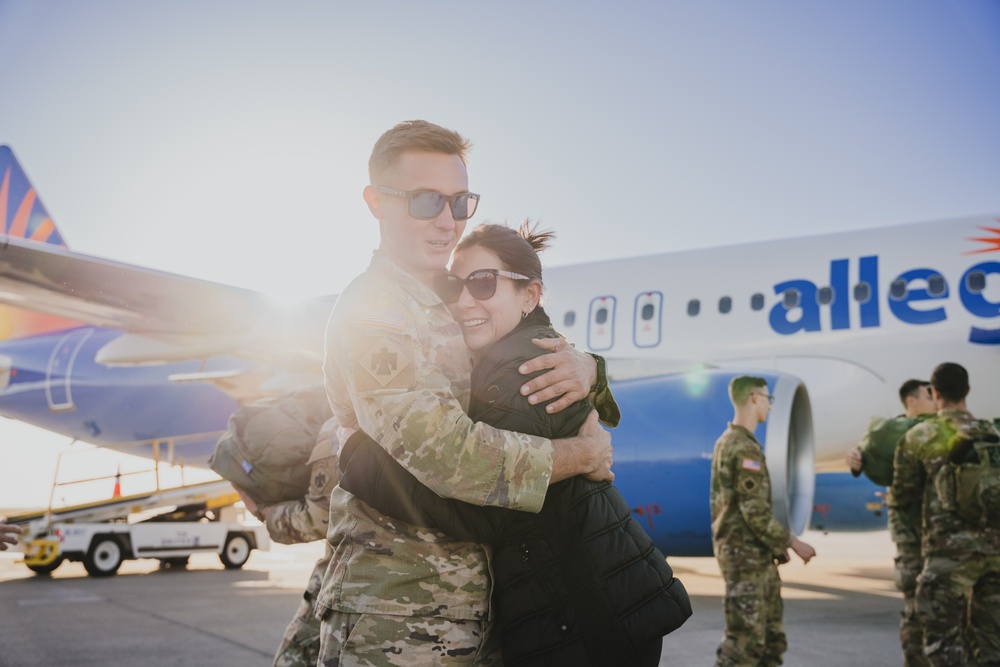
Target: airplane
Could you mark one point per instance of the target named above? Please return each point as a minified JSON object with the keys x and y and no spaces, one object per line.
{"x":122,"y":356}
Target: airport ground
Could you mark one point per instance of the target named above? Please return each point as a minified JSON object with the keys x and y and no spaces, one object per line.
{"x":841,"y":609}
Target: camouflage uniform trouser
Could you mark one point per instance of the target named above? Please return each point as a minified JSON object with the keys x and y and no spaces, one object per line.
{"x":947,"y":590}
{"x":909,"y":563}
{"x":754,"y":635}
{"x":300,"y":645}
{"x":372,"y":640}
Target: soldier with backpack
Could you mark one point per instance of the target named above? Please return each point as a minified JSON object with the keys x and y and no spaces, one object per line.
{"x":281,"y":453}
{"x":874,"y":457}
{"x":948,"y":468}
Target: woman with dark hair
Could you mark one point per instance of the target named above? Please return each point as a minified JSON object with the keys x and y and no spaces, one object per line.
{"x":579,"y":583}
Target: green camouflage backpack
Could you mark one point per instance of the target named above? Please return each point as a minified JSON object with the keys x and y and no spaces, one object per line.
{"x":969,"y":484}
{"x":266,"y":449}
{"x":879,"y":445}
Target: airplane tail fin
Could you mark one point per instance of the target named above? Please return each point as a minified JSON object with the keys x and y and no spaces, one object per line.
{"x":22,"y":212}
{"x":24,"y":216}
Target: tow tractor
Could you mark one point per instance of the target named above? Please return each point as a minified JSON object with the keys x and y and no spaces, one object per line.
{"x":168,"y":524}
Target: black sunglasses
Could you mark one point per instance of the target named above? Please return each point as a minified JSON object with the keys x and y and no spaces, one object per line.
{"x":426,"y":205}
{"x":482,"y":284}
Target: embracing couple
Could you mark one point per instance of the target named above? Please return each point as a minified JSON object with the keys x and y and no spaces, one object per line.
{"x":475,"y":522}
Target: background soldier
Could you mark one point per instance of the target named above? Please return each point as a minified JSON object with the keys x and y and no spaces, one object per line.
{"x":748,"y":540}
{"x":305,"y":520}
{"x":948,"y":465}
{"x":875,"y":458}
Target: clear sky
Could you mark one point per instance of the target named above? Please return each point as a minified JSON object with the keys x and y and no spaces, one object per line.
{"x":229,"y":140}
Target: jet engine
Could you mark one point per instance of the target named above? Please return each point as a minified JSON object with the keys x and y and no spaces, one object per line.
{"x":663,"y":452}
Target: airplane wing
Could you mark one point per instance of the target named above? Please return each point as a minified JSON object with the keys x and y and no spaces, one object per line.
{"x":166,"y":317}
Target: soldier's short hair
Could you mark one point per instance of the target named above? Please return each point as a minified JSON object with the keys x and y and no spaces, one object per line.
{"x":911,"y":388}
{"x":412,"y":135}
{"x":951,"y":381}
{"x":741,"y":387}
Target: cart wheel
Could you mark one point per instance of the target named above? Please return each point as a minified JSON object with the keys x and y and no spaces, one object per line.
{"x":104,"y":557}
{"x":46,"y":569}
{"x":236,"y":552}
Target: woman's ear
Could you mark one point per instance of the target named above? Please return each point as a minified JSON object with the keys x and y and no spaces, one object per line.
{"x":532,"y":295}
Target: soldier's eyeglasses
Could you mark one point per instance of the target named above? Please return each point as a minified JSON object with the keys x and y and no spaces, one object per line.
{"x":482,"y":284}
{"x":770,"y":399}
{"x":425,"y":205}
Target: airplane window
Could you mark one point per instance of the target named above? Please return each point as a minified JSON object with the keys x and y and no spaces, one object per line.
{"x":824,"y":295}
{"x":791,"y":298}
{"x":897,"y":290}
{"x":976,"y":282}
{"x":936,"y":285}
{"x":569,"y":319}
{"x":648,"y":311}
{"x":862,"y":292}
{"x":601,"y":316}
{"x":725,"y":304}
{"x":694,"y":307}
{"x":757,"y":301}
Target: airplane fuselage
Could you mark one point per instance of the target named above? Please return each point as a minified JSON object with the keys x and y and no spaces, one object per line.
{"x":852,"y":314}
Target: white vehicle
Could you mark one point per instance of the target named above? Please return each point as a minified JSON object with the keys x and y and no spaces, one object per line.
{"x":169,"y":525}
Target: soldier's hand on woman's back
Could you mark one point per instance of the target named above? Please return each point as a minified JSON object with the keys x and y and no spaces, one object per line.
{"x":572,"y":375}
{"x":588,"y":453}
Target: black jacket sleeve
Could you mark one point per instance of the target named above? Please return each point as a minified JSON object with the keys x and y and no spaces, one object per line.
{"x":371,"y":474}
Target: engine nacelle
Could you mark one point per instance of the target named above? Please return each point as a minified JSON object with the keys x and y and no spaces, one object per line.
{"x":663,"y":452}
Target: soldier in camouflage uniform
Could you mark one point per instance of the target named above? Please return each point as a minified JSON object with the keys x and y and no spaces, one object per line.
{"x":397,"y":367}
{"x":875,"y":457}
{"x":961,"y":572}
{"x":747,"y":539}
{"x":298,"y":521}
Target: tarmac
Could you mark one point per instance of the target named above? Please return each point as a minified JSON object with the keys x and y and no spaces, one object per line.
{"x":841,"y":609}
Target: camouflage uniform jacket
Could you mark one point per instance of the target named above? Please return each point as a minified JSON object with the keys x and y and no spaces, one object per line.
{"x":920,"y":456}
{"x":307,"y":519}
{"x":397,"y":368}
{"x":744,"y":530}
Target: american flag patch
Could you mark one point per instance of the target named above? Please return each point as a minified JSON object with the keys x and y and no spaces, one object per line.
{"x":382,"y":318}
{"x":750,"y":464}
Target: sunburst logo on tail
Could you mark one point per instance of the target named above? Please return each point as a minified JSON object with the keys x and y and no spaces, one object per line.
{"x":992,"y":242}
{"x":22,"y":213}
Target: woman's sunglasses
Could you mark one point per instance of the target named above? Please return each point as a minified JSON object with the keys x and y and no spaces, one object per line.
{"x":425,"y":205}
{"x":482,"y":284}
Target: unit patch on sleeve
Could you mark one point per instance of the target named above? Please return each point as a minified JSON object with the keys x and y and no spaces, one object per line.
{"x":385,"y":365}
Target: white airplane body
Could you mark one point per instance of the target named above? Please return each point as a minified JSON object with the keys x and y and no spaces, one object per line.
{"x":852,"y":354}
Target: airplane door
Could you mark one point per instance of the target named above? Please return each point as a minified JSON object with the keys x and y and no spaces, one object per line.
{"x":600,"y":328}
{"x":646,"y":327}
{"x":60,"y":370}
